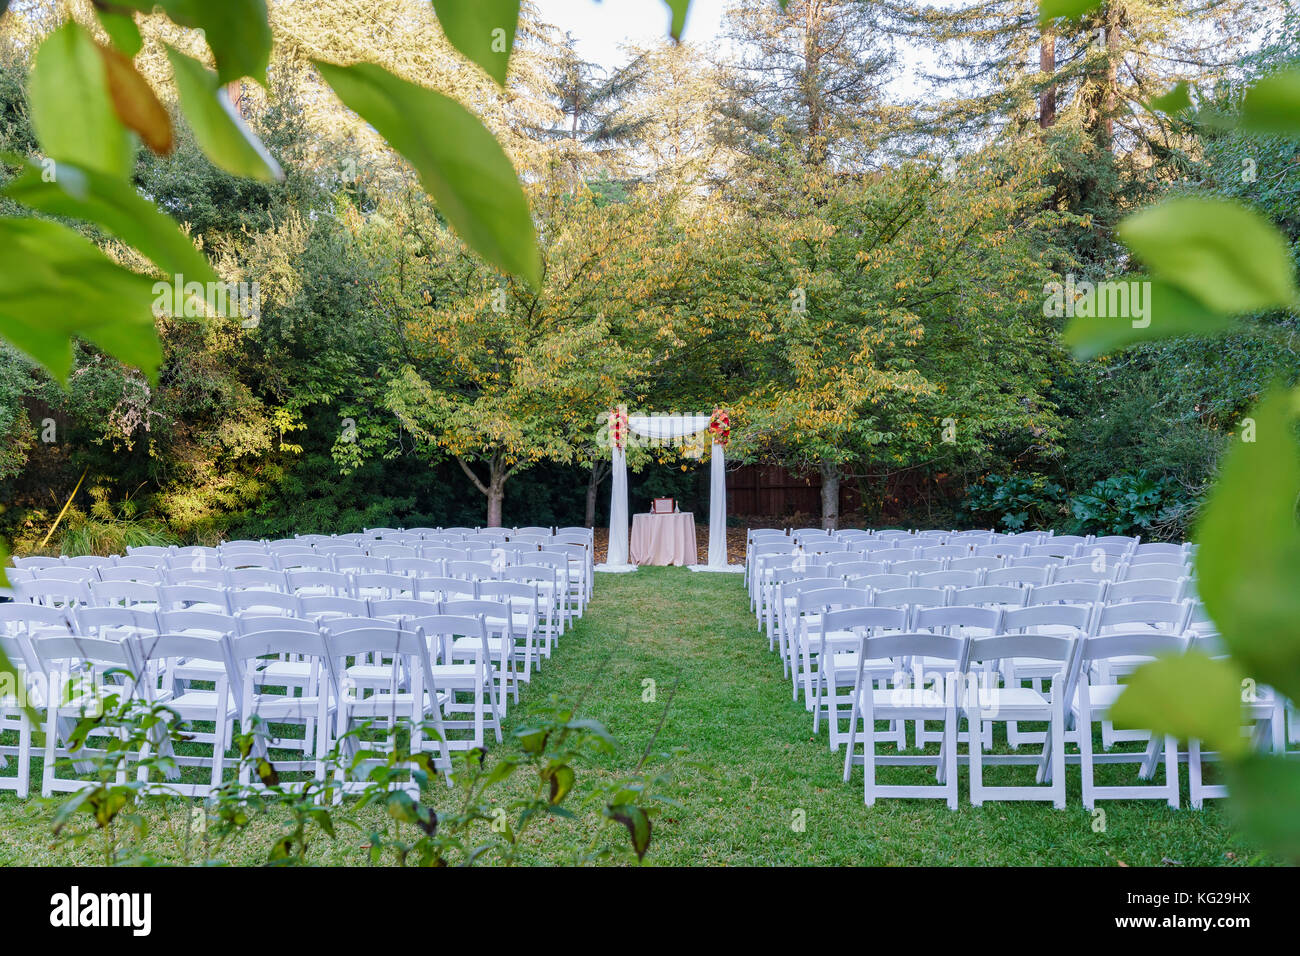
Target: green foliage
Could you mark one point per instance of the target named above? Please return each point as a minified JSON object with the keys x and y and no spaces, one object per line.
{"x":1168,"y":309}
{"x":128,"y":744}
{"x":459,"y":162}
{"x":72,"y":192}
{"x":220,"y":132}
{"x":1015,"y":502}
{"x":1250,"y":548}
{"x":1228,"y":257}
{"x":296,"y":819}
{"x":483,"y":31}
{"x":1130,"y":504}
{"x":48,"y":268}
{"x":1272,"y":105}
{"x":1186,"y":694}
{"x":70,"y":106}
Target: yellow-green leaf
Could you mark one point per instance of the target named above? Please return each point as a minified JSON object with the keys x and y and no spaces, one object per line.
{"x":1248,"y":560}
{"x":56,"y":285}
{"x":1069,"y":9}
{"x":237,"y":32}
{"x":121,"y":29}
{"x":679,"y":9}
{"x":483,"y":30}
{"x":1153,"y":310}
{"x":1225,"y":255}
{"x":220,"y":131}
{"x":70,"y":191}
{"x":459,"y":162}
{"x":1266,"y":801}
{"x":71,"y":109}
{"x":1272,"y":106}
{"x":1191,"y":696}
{"x":1174,"y":101}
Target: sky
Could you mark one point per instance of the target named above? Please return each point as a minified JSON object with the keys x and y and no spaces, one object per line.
{"x":600,"y":27}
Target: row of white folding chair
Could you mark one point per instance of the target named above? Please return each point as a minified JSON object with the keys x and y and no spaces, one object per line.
{"x":589,"y":533}
{"x":509,"y":609}
{"x":1061,"y":621}
{"x":1067,"y":569}
{"x":1133,"y":581}
{"x":813,"y":537}
{"x":553,"y":608}
{"x":1025,"y":538}
{"x":514,"y":606}
{"x":1099,"y":560}
{"x":893,"y":551}
{"x":937,"y":675}
{"x":797,"y":598}
{"x":573,"y":563}
{"x":552,"y":604}
{"x":393,"y":675}
{"x":761,"y":543}
{"x":1075,"y":696}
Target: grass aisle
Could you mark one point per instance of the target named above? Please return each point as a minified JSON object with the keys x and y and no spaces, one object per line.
{"x":733,"y":711}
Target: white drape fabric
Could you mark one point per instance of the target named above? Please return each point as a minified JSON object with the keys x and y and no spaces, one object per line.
{"x":667,"y":428}
{"x":617,"y":556}
{"x":718,"y":508}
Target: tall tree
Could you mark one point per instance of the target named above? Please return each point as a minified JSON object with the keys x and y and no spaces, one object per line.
{"x":890,"y":335}
{"x":809,"y":75}
{"x":496,"y":376}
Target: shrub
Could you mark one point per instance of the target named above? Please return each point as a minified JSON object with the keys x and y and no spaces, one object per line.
{"x":1015,"y":502}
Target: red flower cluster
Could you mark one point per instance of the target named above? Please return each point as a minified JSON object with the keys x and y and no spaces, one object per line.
{"x":618,"y":427}
{"x":720,"y":426}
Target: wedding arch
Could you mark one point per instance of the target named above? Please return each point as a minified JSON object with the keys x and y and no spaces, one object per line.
{"x":661,"y":428}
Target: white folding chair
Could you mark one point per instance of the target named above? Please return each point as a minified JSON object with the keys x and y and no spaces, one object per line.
{"x":839,"y":633}
{"x":160,"y":657}
{"x":452,"y":677}
{"x":985,"y":702}
{"x":257,"y":665}
{"x":1093,"y":701}
{"x":80,"y":674}
{"x":386,"y":686}
{"x":908,"y":699}
{"x":16,"y":695}
{"x":1071,"y":621}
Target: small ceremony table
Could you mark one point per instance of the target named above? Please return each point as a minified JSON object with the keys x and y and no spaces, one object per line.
{"x":664,"y":539}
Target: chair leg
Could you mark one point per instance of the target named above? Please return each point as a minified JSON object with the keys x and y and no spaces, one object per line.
{"x":218,"y":754}
{"x":51,"y":734}
{"x":1057,"y":734}
{"x":1194,"y":773}
{"x":1171,"y":771}
{"x":869,"y":765}
{"x":1085,"y":759}
{"x":853,"y":736}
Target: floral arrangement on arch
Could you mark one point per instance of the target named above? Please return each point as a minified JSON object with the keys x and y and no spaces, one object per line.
{"x":720,"y":426}
{"x":618,"y":427}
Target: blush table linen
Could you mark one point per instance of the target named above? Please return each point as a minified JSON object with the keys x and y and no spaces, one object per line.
{"x":663,"y":539}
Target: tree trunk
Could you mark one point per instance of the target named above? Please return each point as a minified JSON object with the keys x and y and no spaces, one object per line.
{"x":1114,"y":16}
{"x":599,"y":469}
{"x":495,"y":489}
{"x":1047,"y":66}
{"x":830,"y":495}
{"x":496,"y":498}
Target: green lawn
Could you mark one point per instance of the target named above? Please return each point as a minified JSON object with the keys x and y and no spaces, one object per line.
{"x":733,"y":713}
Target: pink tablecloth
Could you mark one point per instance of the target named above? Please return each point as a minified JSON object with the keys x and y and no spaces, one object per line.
{"x":663,"y":539}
